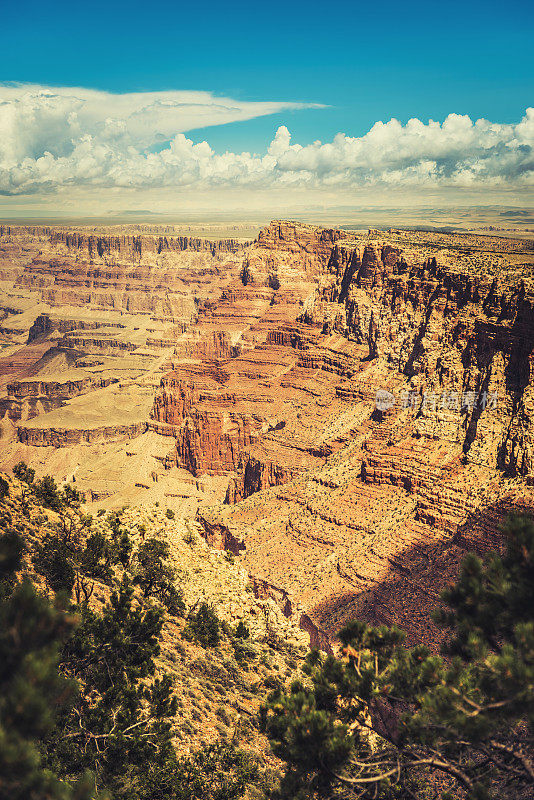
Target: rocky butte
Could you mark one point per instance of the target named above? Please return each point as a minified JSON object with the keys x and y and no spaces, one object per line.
{"x":346,"y":412}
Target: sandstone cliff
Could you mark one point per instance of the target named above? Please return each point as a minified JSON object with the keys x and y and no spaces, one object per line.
{"x":354,"y":410}
{"x":343,"y":502}
{"x":138,"y":246}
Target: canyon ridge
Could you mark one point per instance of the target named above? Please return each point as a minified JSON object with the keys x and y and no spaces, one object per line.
{"x":346,"y":412}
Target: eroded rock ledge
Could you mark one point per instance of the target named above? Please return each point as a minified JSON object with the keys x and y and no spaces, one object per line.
{"x":256,"y":367}
{"x":356,"y":509}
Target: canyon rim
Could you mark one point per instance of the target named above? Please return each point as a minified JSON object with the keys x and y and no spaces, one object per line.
{"x":239,"y":384}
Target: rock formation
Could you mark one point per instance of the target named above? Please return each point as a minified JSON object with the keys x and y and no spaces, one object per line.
{"x":338,"y":499}
{"x":347,"y":413}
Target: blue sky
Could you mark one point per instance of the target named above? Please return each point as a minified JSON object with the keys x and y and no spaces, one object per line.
{"x":364,"y":62}
{"x":368,"y":61}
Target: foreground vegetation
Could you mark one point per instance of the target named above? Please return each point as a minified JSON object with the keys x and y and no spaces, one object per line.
{"x":387,"y":721}
{"x":87,"y":711}
{"x":86,"y":708}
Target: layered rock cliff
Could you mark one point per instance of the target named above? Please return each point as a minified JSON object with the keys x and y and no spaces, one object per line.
{"x":462,"y":343}
{"x":210,"y":435}
{"x":138,"y":246}
{"x":44,"y":325}
{"x":403,"y":384}
{"x":284,"y":251}
{"x":365,"y":399}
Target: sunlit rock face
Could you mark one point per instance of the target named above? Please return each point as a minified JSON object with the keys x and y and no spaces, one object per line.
{"x":347,"y":412}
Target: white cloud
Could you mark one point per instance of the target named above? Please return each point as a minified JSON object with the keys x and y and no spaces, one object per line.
{"x":37,"y":118}
{"x":61,"y":139}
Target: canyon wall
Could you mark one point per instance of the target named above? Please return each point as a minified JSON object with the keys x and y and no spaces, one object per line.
{"x":393,"y":428}
{"x":139,"y":246}
{"x":361,"y":403}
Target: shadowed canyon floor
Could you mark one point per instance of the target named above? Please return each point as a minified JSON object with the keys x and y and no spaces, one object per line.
{"x":236,"y":382}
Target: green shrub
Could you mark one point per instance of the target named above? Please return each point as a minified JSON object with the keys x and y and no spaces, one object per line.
{"x":121,"y":725}
{"x":32,"y":690}
{"x":47,"y":493}
{"x":243,"y":652}
{"x":189,"y":537}
{"x":124,"y":549}
{"x":203,"y":626}
{"x":71,"y":496}
{"x":272,"y":682}
{"x":24,"y":473}
{"x":156,"y":577}
{"x":216,"y":772}
{"x":242,"y":631}
{"x":274,"y":281}
{"x":52,"y":560}
{"x":95,"y":559}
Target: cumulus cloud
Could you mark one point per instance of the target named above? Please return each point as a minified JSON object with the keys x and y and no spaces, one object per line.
{"x":56,"y":138}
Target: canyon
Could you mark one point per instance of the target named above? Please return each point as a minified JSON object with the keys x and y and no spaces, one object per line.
{"x":346,"y":412}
